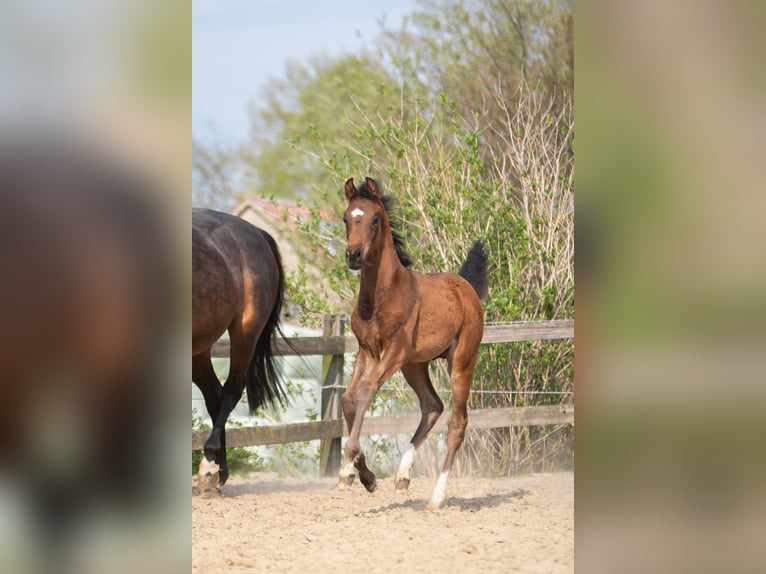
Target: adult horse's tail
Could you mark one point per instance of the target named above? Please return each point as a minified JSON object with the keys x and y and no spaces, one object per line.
{"x":475,"y":270}
{"x":264,"y":384}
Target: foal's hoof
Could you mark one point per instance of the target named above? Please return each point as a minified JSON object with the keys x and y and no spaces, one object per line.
{"x":402,"y":485}
{"x":432,"y":507}
{"x":371,"y":487}
{"x":345,"y":482}
{"x":368,"y":480}
{"x":435,"y":503}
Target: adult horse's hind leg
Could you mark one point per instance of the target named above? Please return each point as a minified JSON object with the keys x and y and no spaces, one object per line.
{"x":213,"y":465}
{"x":242,"y":347}
{"x":431,"y":408}
{"x":461,"y":365}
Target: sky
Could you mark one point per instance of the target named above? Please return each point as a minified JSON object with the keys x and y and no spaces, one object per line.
{"x":238,"y":45}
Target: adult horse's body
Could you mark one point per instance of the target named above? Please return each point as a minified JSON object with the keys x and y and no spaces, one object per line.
{"x":86,"y":323}
{"x":403,"y":320}
{"x":237,"y":286}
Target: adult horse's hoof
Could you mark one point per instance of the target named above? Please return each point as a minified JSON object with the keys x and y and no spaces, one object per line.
{"x":402,"y":485}
{"x":208,"y":482}
{"x":209,"y":476}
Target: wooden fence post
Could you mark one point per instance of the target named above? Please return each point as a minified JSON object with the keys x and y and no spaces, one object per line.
{"x":332,"y":389}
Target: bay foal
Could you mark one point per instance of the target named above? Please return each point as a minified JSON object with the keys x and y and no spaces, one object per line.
{"x":403,"y":320}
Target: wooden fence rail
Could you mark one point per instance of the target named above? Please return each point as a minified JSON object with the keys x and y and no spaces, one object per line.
{"x":399,"y":424}
{"x":339,"y":344}
{"x":333,"y":345}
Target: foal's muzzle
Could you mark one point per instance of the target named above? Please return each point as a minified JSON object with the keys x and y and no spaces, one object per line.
{"x":354,"y":258}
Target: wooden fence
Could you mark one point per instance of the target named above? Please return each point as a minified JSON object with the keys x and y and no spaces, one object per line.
{"x":333,"y":345}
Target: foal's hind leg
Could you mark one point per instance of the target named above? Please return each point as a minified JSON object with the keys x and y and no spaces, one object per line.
{"x":431,"y":408}
{"x":461,"y":366}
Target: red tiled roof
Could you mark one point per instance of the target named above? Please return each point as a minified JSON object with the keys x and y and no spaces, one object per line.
{"x":281,"y":210}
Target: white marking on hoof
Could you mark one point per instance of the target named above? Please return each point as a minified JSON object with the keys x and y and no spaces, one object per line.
{"x":207,"y":467}
{"x":208,"y":477}
{"x":408,"y":459}
{"x":357,"y":212}
{"x":439,"y":493}
{"x":208,"y":483}
{"x":346,"y":476}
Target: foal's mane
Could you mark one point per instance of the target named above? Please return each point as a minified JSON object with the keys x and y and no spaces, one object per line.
{"x":395,"y":223}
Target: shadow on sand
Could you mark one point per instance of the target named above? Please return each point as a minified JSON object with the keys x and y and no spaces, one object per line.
{"x":472,"y":504}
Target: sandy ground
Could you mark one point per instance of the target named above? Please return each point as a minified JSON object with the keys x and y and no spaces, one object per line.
{"x":263,"y":523}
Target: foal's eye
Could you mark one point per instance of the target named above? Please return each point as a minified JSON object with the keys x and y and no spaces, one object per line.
{"x":375,"y":219}
{"x":345,"y":219}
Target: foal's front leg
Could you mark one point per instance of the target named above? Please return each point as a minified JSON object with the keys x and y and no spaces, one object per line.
{"x":368,"y":377}
{"x":349,"y":401}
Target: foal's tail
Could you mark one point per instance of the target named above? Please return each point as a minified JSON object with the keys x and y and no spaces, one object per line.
{"x":475,"y":271}
{"x":264,"y":384}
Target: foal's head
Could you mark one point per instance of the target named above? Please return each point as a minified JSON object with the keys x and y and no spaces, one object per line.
{"x":368,"y":224}
{"x":366,"y":221}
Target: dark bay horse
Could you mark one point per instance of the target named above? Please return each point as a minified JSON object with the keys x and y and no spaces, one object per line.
{"x":237,"y":286}
{"x":404,"y":320}
{"x":87,"y":323}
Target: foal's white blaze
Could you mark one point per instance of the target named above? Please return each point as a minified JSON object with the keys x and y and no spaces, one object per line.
{"x":440,"y":492}
{"x":357,"y":213}
{"x":408,"y":459}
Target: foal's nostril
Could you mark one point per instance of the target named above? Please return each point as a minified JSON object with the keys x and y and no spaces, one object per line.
{"x":354,"y":257}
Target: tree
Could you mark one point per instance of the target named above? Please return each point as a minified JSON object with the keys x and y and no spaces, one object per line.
{"x":468,"y":122}
{"x":471,"y":49}
{"x":213,"y":176}
{"x":304,"y":120}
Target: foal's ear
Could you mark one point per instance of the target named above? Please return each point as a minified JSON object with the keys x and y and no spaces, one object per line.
{"x":372,"y":187}
{"x":349,"y":189}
